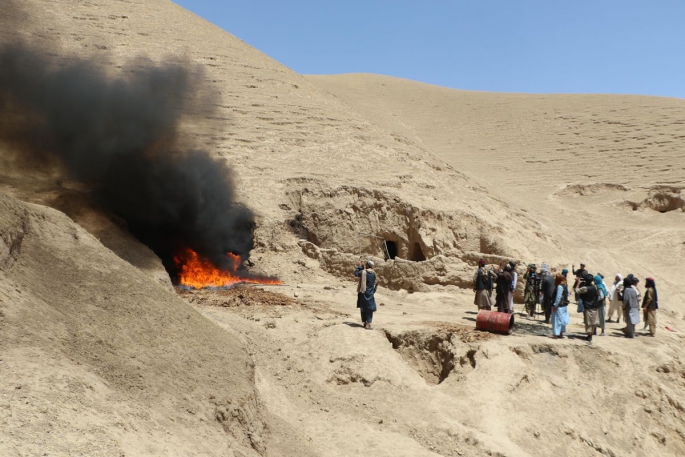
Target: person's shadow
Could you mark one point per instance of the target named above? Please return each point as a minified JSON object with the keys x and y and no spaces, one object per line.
{"x":353,"y":324}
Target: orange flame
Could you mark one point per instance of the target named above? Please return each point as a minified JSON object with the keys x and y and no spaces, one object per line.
{"x":199,"y":273}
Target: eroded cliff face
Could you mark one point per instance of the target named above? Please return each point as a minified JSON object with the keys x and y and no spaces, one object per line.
{"x":414,"y":248}
{"x":380,"y":223}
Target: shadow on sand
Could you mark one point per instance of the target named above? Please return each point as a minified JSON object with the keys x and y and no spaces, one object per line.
{"x":353,"y":324}
{"x":524,"y":326}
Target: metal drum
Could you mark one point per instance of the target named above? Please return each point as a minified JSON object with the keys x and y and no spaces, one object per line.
{"x":495,"y":322}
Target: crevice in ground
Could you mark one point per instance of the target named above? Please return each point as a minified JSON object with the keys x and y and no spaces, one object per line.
{"x":434,"y":354}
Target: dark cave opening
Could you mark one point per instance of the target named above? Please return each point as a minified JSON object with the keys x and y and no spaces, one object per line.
{"x":417,"y":254}
{"x":391,"y":252}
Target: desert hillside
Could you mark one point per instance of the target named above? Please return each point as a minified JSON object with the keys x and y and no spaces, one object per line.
{"x":272,"y":126}
{"x":603,"y":173}
{"x":101,"y":354}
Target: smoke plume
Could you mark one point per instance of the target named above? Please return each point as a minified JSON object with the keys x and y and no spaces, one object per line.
{"x":121,"y":136}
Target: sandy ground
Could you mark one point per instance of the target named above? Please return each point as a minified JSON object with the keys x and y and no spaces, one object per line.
{"x":100,"y":356}
{"x":424,"y":382}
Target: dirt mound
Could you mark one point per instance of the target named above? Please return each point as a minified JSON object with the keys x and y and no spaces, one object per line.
{"x":663,"y":199}
{"x":86,"y":335}
{"x":583,"y":190}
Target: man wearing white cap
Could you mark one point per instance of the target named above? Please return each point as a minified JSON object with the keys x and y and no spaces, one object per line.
{"x":366,"y":288}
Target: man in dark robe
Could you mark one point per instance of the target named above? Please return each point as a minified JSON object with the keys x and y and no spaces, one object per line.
{"x":588,"y":293}
{"x":482,"y":286}
{"x":365,"y":292}
{"x":504,"y":280}
{"x":547,"y":289}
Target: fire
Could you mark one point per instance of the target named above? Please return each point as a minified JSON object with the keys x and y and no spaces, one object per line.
{"x":198,"y":273}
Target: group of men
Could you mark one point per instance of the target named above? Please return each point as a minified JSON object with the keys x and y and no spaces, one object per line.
{"x":551,"y":293}
{"x":503,"y":280}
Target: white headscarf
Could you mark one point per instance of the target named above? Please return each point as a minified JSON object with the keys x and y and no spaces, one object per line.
{"x":615,"y":286}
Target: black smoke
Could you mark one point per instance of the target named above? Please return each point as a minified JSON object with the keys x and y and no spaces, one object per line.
{"x":121,"y":135}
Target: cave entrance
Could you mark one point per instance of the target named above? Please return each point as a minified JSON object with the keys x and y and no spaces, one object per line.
{"x":391,"y":252}
{"x":417,"y":254}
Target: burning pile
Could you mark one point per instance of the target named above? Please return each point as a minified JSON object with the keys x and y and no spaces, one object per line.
{"x":198,"y":273}
{"x":121,"y":136}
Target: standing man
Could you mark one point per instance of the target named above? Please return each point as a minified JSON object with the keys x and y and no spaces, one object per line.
{"x":512,"y":289}
{"x":502,"y":291}
{"x":560,"y":317}
{"x":547,"y":289}
{"x":602,"y":294}
{"x":650,"y":304}
{"x":365,"y":292}
{"x":482,"y":286}
{"x":588,"y":293}
{"x":580,"y":275}
{"x":530,"y":296}
{"x":631,"y":306}
{"x":616,"y":298}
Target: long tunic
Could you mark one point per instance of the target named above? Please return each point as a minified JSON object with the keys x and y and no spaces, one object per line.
{"x":631,"y":306}
{"x":547,"y":286}
{"x":365,"y":296}
{"x":482,"y":283}
{"x":615,"y":305}
{"x":649,"y":301}
{"x":601,"y":304}
{"x":502,"y":297}
{"x":560,"y":317}
{"x":512,"y":289}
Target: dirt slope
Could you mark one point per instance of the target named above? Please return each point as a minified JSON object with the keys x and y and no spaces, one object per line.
{"x":603,"y":173}
{"x":99,"y":359}
{"x":425,"y":383}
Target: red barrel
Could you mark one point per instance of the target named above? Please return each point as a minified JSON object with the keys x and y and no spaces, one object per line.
{"x":493,"y":321}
